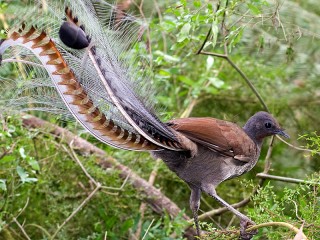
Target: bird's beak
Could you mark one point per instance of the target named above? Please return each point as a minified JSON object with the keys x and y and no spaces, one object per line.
{"x":283,"y":133}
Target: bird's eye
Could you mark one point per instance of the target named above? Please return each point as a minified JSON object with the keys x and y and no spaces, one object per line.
{"x":268,"y":125}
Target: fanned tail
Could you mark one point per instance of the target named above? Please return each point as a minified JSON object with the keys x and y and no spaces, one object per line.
{"x":99,"y":87}
{"x":72,"y":93}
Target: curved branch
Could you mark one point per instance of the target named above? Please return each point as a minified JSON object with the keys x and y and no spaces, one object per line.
{"x":278,"y":224}
{"x":246,"y":79}
{"x":295,"y":147}
{"x":285,"y":179}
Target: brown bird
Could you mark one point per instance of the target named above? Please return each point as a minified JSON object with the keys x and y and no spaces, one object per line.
{"x":105,"y":97}
{"x":223,"y":151}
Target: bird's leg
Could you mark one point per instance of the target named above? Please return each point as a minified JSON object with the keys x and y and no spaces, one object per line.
{"x":194,"y":205}
{"x":245,"y":222}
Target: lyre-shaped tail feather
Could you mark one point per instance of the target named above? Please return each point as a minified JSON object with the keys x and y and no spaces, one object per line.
{"x":74,"y":96}
{"x":114,"y":80}
{"x":100,"y":89}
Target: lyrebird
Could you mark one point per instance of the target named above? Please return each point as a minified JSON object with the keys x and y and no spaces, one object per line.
{"x":84,"y":60}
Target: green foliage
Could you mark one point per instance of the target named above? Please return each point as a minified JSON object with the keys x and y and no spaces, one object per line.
{"x":276,"y":46}
{"x":313,"y":142}
{"x":298,"y":205}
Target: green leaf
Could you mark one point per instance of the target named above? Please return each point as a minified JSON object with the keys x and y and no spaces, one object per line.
{"x":22,"y":154}
{"x":215,"y":32}
{"x":197,"y":3}
{"x":216,"y":82}
{"x":24,"y":176}
{"x":8,"y":158}
{"x":127,"y":225}
{"x":186,"y":80}
{"x":210,"y":62}
{"x":184,"y":33}
{"x":254,"y":9}
{"x":167,"y":57}
{"x":3,"y":185}
{"x":33,"y":163}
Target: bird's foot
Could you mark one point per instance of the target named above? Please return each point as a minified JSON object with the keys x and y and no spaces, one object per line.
{"x":244,"y":224}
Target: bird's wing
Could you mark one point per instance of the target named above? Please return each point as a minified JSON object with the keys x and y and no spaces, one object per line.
{"x":221,"y":136}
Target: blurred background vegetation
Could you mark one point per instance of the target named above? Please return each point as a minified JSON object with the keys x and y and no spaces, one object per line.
{"x":275,"y":44}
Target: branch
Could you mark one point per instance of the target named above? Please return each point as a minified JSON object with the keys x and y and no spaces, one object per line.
{"x":151,"y":194}
{"x":76,"y":210}
{"x":21,"y":228}
{"x":157,"y":200}
{"x":285,"y":179}
{"x":295,"y":147}
{"x":277,"y":224}
{"x":246,"y":79}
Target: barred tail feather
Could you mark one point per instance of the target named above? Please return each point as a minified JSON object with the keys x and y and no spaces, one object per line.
{"x":88,"y":64}
{"x":74,"y":96}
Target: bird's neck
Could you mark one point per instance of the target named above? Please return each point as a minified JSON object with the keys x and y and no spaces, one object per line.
{"x":253,"y":135}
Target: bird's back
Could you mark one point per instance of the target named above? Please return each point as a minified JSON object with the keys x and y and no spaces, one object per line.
{"x":224,"y":151}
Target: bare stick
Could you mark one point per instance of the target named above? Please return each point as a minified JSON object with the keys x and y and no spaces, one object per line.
{"x":9,"y":151}
{"x":76,"y":210}
{"x":148,"y":229}
{"x":295,"y":147}
{"x":21,"y":228}
{"x":39,"y":227}
{"x":277,"y":224}
{"x":76,"y":159}
{"x":286,"y":179}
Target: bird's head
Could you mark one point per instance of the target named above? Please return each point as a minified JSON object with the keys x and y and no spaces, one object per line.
{"x":261,"y":125}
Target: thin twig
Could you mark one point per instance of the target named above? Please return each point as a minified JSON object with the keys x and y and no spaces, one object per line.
{"x":295,"y":147}
{"x":118,"y":188}
{"x":148,"y":229}
{"x":205,"y":41}
{"x":242,"y":74}
{"x":277,"y":224}
{"x":214,"y":54}
{"x":39,"y":227}
{"x":9,"y":151}
{"x":76,"y":210}
{"x":24,"y":208}
{"x":21,"y":228}
{"x":20,"y":212}
{"x":296,"y":211}
{"x":286,"y":179}
{"x":267,"y":162}
{"x":76,"y":159}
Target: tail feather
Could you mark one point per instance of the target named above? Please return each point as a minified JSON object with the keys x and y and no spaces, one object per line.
{"x":97,"y":83}
{"x":73,"y":94}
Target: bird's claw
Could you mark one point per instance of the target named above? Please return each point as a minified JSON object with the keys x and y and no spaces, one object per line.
{"x":244,"y":224}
